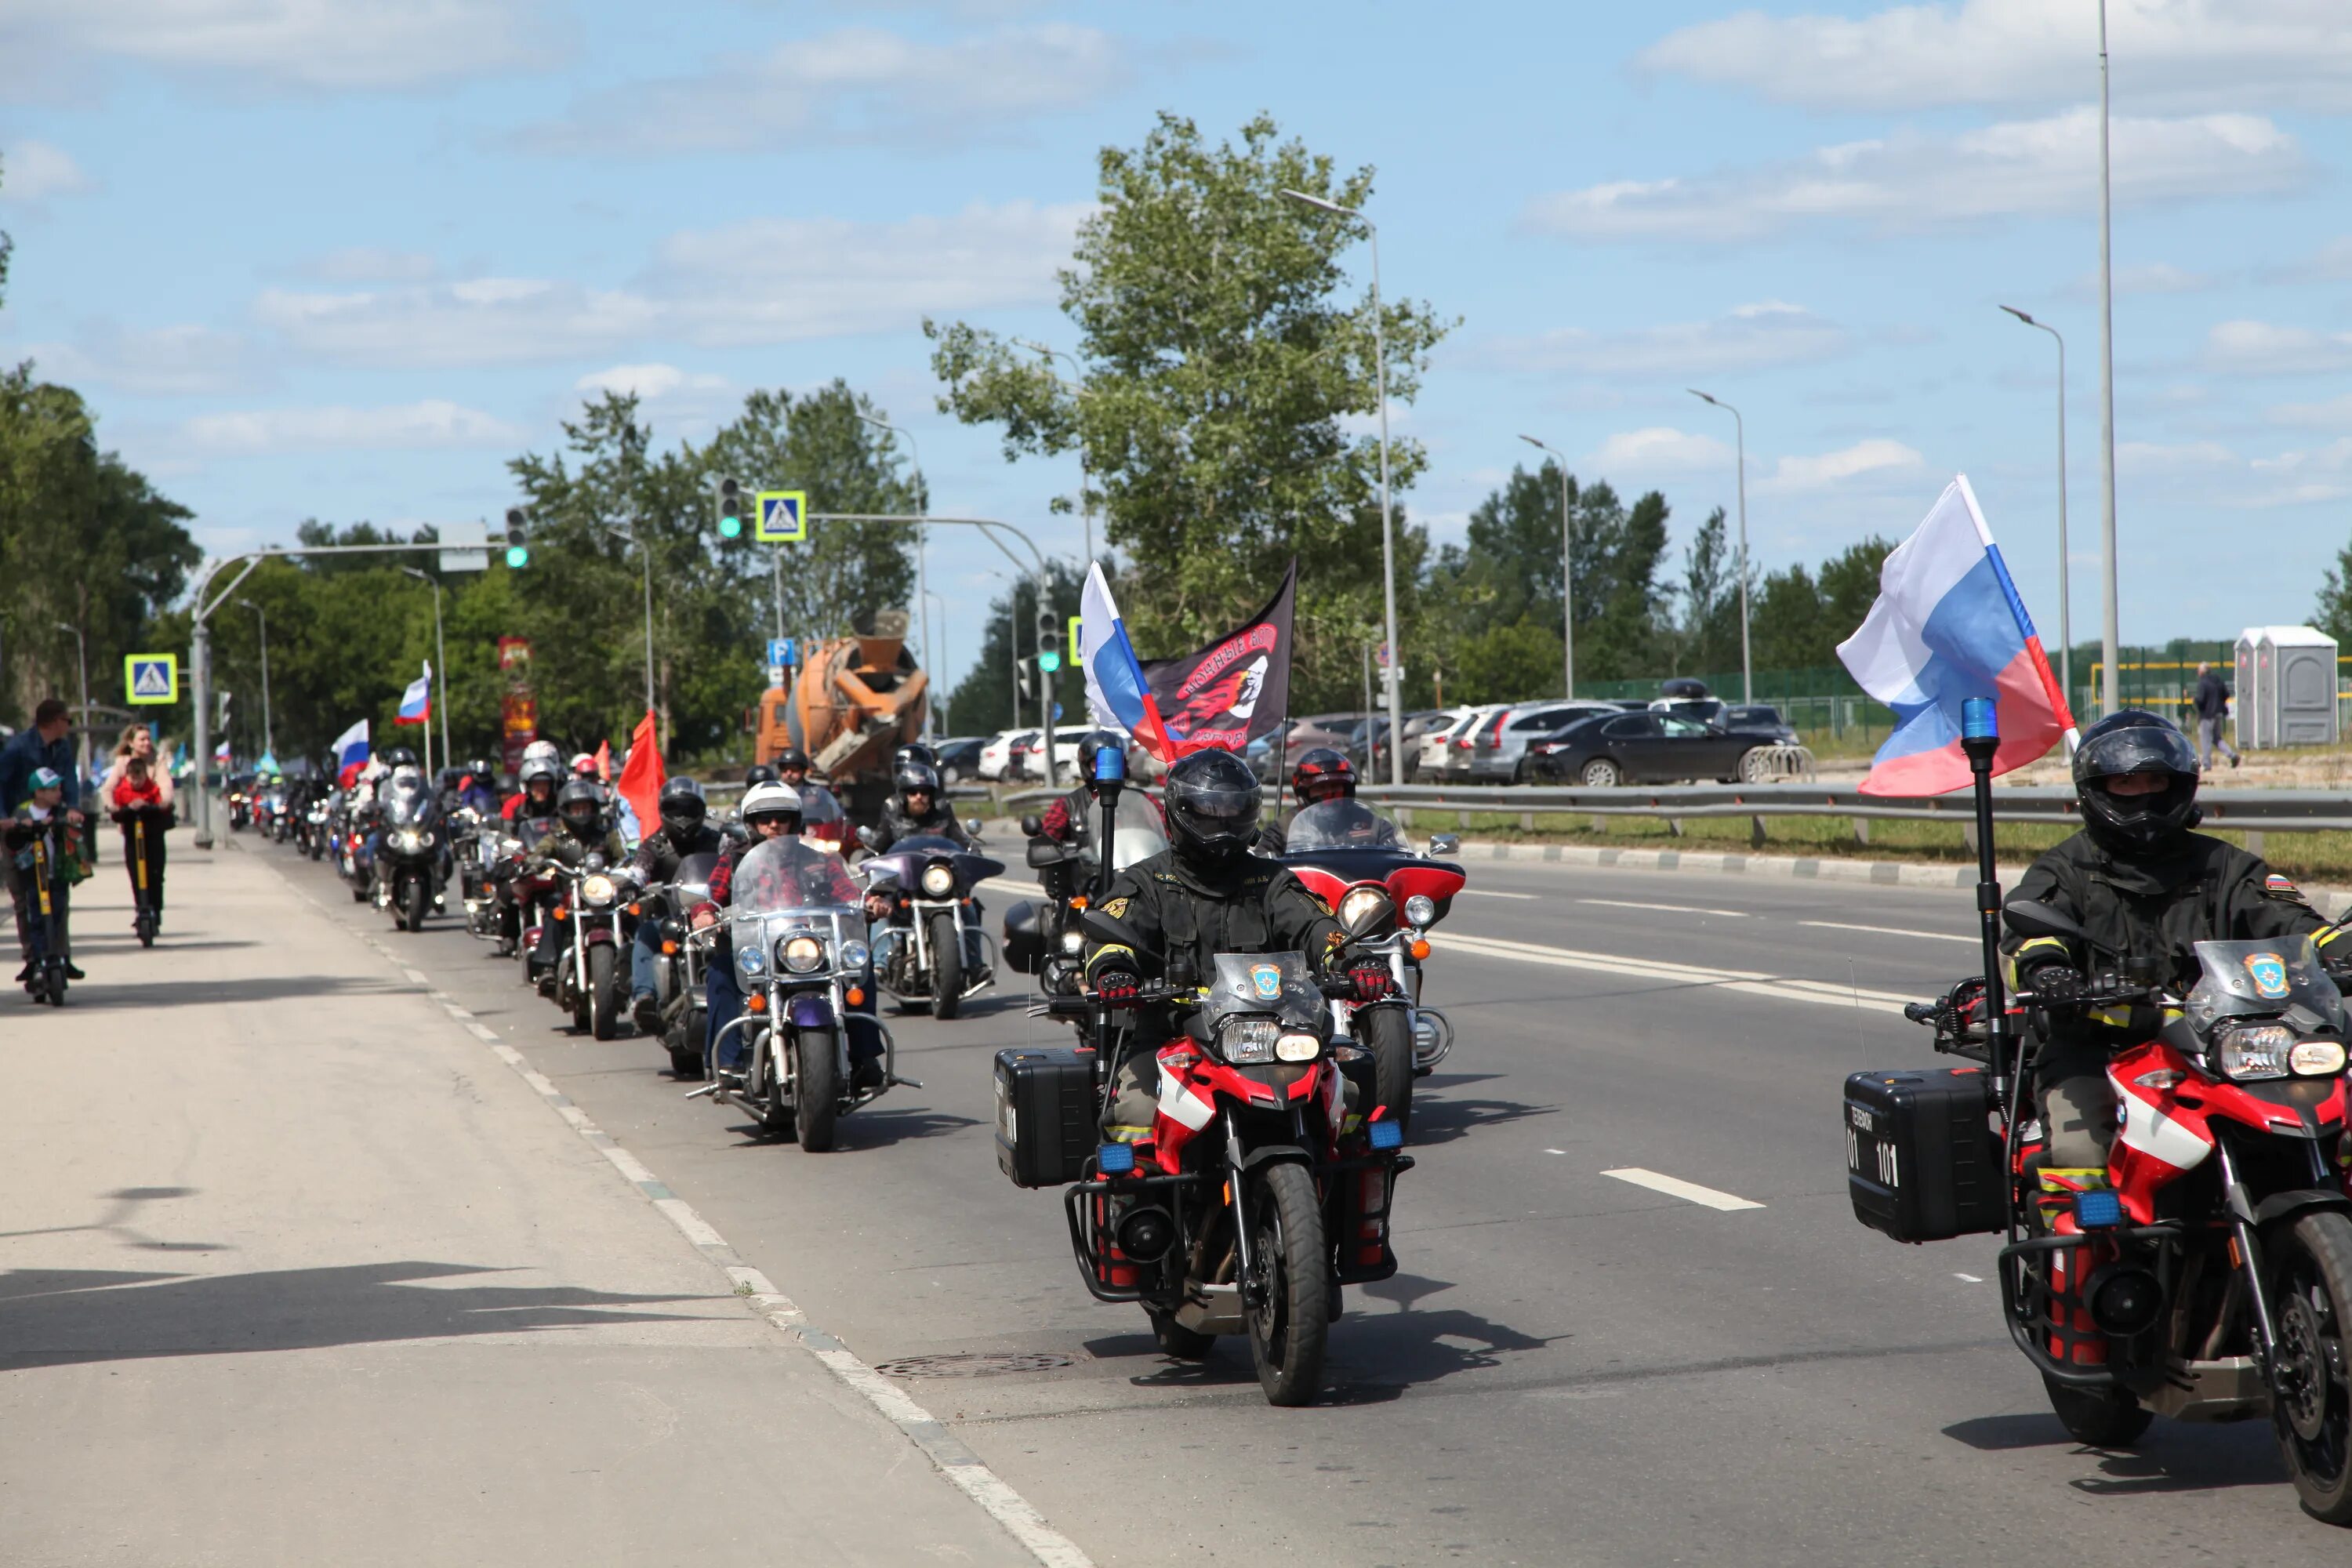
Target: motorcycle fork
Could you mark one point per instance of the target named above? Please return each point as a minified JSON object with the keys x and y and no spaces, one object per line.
{"x":1238,"y":1199}
{"x":2250,"y":1259}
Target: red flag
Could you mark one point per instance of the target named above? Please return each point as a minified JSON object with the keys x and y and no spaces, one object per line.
{"x":603,"y":761}
{"x":641,"y":779}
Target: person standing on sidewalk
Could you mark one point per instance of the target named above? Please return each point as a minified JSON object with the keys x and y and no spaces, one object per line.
{"x":2212,"y":703}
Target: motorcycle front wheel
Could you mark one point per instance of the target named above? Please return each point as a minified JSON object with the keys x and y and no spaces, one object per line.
{"x":418,"y":894}
{"x":604,"y":1012}
{"x":1387,"y":1035}
{"x":1289,"y":1309}
{"x":2311,"y":1263}
{"x":816,"y":1087}
{"x":947,"y":965}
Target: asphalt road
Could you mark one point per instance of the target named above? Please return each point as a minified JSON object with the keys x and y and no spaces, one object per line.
{"x":1572,"y":1368}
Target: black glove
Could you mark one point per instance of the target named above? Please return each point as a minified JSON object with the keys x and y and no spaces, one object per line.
{"x":1114,"y":984}
{"x":2055,"y":985}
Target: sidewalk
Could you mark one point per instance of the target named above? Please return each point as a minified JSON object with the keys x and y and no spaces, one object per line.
{"x":293,"y":1271}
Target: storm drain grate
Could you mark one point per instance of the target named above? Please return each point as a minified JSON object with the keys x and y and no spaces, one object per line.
{"x":975,"y":1364}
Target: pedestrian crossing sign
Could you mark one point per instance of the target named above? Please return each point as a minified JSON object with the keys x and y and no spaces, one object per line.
{"x":151,"y":677}
{"x":784,"y":517}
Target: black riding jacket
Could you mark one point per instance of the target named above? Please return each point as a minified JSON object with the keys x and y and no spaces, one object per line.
{"x":2139,"y":910}
{"x":659,"y":853}
{"x":898,"y":824}
{"x":1255,"y":906}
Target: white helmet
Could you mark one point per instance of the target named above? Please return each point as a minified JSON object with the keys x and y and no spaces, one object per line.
{"x":773,"y":799}
{"x":539,"y":750}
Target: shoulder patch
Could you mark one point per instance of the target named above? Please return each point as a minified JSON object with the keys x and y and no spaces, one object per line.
{"x":1117,"y":907}
{"x":1318,"y":900}
{"x":2283,"y":889}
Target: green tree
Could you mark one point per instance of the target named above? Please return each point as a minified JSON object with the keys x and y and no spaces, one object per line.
{"x":1797,"y":618}
{"x":2333,"y":613}
{"x":1220,"y":369}
{"x":982,"y":701}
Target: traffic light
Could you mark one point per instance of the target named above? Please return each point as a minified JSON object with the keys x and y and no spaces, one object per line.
{"x":1021,"y":678}
{"x":730,"y":508}
{"x":1049,"y":642}
{"x":517,"y":551}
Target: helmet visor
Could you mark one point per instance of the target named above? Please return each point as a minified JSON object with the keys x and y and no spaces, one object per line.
{"x":1219,"y":805}
{"x":2146,"y":749}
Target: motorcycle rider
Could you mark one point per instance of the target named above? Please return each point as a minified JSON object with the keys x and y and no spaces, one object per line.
{"x":917,"y":806}
{"x":2144,"y":887}
{"x":1071,"y":818}
{"x":477,"y":788}
{"x":581,"y":809}
{"x":537,"y":796}
{"x":1321,"y":774}
{"x":792,"y":766}
{"x":538,"y":759}
{"x":1203,"y":895}
{"x":684,"y":830}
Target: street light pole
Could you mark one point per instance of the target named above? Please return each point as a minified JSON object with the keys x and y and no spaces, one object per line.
{"x":440,"y":662}
{"x":81,"y":658}
{"x":2065,"y":600}
{"x":1739,"y":433}
{"x":1567,"y":579}
{"x":1388,"y":527}
{"x":923,"y":552}
{"x":269,"y":732}
{"x":2108,"y":630}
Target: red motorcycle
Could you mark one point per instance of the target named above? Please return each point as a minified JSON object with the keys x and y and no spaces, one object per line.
{"x":1257,"y":1195}
{"x":2212,"y":1279}
{"x":1351,"y":856}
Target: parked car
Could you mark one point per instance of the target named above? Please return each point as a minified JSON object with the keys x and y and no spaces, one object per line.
{"x":1500,"y":756}
{"x":999,"y":758}
{"x":1760,"y":720}
{"x":1337,"y":730}
{"x":1449,"y":761}
{"x":960,"y":757}
{"x":1066,"y":748}
{"x":1609,"y":749}
{"x":1424,"y":753}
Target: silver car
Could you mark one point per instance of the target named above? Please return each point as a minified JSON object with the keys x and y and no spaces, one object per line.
{"x":1499,"y":753}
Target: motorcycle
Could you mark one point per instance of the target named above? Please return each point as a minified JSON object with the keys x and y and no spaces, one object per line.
{"x":527,"y":893}
{"x":240,"y":806}
{"x":590,"y":976}
{"x":273,"y":814}
{"x":2212,"y":1280}
{"x":934,"y":949}
{"x":678,"y":977}
{"x":408,"y":852}
{"x":1348,"y":855}
{"x":1042,"y":938}
{"x":798,"y":930}
{"x":1258,"y":1194}
{"x":353,"y":860}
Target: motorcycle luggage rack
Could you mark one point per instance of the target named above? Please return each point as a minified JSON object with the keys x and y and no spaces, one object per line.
{"x":1092,"y":1249}
{"x":2029,"y":1306}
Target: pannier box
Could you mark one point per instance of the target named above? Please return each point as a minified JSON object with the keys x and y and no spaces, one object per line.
{"x":1024,"y":936}
{"x":1922,"y":1161}
{"x":1046,"y":1114}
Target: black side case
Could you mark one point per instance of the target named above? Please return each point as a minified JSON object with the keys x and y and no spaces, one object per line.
{"x":1046,"y":1114}
{"x":1922,"y":1161}
{"x":1024,"y":936}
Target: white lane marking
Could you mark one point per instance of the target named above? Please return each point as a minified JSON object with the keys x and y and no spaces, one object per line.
{"x":1036,"y":888}
{"x":1740,"y":982}
{"x":1675,"y":1187}
{"x":1971,"y":1278}
{"x":1555,"y":1151}
{"x":1668,"y":908}
{"x":1492,"y":893}
{"x":1890,"y":931}
{"x":962,"y":1468}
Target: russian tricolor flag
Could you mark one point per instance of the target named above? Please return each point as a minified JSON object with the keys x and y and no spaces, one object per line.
{"x":1948,"y":625}
{"x":350,"y":752}
{"x":416,"y":702}
{"x":1116,"y":691}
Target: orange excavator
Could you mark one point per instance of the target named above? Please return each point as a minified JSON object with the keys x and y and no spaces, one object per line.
{"x":855,"y":701}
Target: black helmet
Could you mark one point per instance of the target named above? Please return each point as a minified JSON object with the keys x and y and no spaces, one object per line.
{"x":399,"y":757}
{"x":911,"y":775}
{"x":682,"y":807}
{"x":1212,"y":807}
{"x":2134,"y":741}
{"x":1323,"y":774}
{"x":915,"y":751}
{"x":790,"y":758}
{"x":582,"y":808}
{"x":484,"y":771}
{"x":759,"y":773}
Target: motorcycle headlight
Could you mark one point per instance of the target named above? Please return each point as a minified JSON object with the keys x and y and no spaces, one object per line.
{"x":800,"y":955}
{"x":1357,"y":902}
{"x":1074,"y":942}
{"x":407,"y":839}
{"x":1296,"y":1046}
{"x":2316,"y":1058}
{"x":1419,"y":910}
{"x":1242,"y":1041}
{"x":596,"y":889}
{"x":2258,"y":1050}
{"x":750,"y":959}
{"x":854,"y":954}
{"x":938,"y":881}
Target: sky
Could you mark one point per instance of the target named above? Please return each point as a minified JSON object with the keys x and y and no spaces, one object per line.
{"x":340,"y":259}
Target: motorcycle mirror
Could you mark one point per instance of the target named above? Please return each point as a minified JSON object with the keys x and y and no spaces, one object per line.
{"x":2027,"y":917}
{"x":1376,"y":913}
{"x":972,"y":826}
{"x":1443,"y":844}
{"x":866,"y":835}
{"x":1044,"y":852}
{"x":1033,"y":825}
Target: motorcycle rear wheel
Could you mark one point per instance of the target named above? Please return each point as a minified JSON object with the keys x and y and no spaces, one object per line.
{"x":816,"y":1087}
{"x":947,"y":965}
{"x":604,"y":1009}
{"x":1289,"y":1312}
{"x":2310,"y":1264}
{"x":2098,"y":1418}
{"x":1386,"y":1032}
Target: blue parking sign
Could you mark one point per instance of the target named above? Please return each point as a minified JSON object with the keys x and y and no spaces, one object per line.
{"x":782,"y":651}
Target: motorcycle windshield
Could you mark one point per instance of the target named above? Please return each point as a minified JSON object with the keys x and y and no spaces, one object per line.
{"x":2269,"y":977}
{"x":818,"y":806}
{"x":1137,"y":833}
{"x":405,"y":803}
{"x":1266,"y":983}
{"x":790,"y":874}
{"x":1341,"y":825}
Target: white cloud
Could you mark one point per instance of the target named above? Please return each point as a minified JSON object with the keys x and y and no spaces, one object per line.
{"x":764,"y":281}
{"x":1913,"y":180}
{"x":2331,"y":263}
{"x":645,"y":380}
{"x":1752,"y":337}
{"x":853,"y":85}
{"x":1875,"y":456}
{"x":1660,"y":449}
{"x":2324,"y":474}
{"x":2258,"y":348}
{"x":2150,"y":459}
{"x":2155,"y":277}
{"x":2336,"y":414}
{"x":156,"y":362}
{"x":262,"y":432}
{"x":330,"y":44}
{"x":2171,"y":53}
{"x":31,"y":171}
{"x":370,"y":264}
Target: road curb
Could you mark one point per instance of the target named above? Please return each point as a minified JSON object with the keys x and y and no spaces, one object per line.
{"x":957,"y":1464}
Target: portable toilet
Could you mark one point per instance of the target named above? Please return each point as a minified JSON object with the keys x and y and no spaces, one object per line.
{"x":2285,"y":688}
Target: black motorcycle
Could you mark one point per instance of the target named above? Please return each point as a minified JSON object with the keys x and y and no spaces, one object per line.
{"x":932,"y":949}
{"x":408,"y":851}
{"x":678,"y":975}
